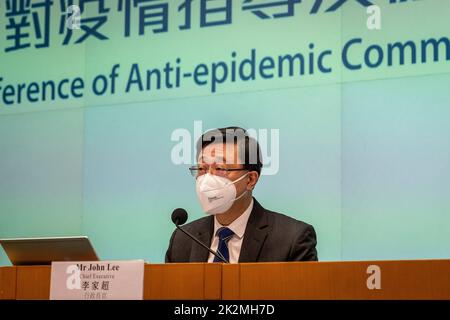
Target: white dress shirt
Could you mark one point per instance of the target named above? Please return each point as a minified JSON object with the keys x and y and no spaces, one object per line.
{"x":235,"y":243}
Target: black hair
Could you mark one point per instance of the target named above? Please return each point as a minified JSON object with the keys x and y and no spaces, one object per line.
{"x":252,"y":152}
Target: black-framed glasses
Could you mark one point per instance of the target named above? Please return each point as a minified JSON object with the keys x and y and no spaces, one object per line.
{"x":219,"y":171}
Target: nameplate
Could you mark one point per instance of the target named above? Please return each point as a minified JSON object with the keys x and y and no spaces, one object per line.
{"x":97,"y":280}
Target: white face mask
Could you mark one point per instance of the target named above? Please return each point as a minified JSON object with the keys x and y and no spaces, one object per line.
{"x":216,"y":194}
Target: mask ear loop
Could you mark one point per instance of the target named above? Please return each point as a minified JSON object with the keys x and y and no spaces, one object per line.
{"x":239,"y":179}
{"x":243,"y":193}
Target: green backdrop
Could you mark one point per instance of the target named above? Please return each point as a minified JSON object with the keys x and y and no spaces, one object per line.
{"x":364,"y":155}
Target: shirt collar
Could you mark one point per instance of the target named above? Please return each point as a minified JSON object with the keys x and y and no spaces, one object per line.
{"x":238,"y":225}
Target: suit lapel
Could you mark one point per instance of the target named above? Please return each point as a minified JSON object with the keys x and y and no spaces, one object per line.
{"x":255,"y":234}
{"x":198,"y":253}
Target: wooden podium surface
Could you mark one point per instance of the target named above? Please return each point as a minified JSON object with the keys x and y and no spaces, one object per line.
{"x":415,"y":279}
{"x":421,"y":279}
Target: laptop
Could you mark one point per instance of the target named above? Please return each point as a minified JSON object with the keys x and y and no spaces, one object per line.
{"x":42,"y":251}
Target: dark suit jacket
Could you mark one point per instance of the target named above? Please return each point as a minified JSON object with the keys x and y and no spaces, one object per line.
{"x":269,"y":236}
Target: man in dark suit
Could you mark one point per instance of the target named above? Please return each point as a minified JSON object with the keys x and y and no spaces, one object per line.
{"x":237,"y":226}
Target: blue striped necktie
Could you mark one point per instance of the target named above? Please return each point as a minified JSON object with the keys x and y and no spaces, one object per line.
{"x":225,"y":235}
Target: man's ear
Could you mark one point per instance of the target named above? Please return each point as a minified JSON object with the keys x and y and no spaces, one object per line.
{"x":253,"y":179}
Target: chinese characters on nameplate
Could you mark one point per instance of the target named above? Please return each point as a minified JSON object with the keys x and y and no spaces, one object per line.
{"x":105,"y":280}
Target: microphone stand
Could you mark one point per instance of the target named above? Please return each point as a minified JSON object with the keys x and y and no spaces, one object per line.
{"x":217,"y":254}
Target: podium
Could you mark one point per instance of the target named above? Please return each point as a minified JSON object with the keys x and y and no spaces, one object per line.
{"x":408,"y":279}
{"x":193,"y":281}
{"x":399,"y":280}
{"x":8,"y":283}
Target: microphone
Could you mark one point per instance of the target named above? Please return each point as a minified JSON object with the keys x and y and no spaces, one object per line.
{"x":179,"y":217}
